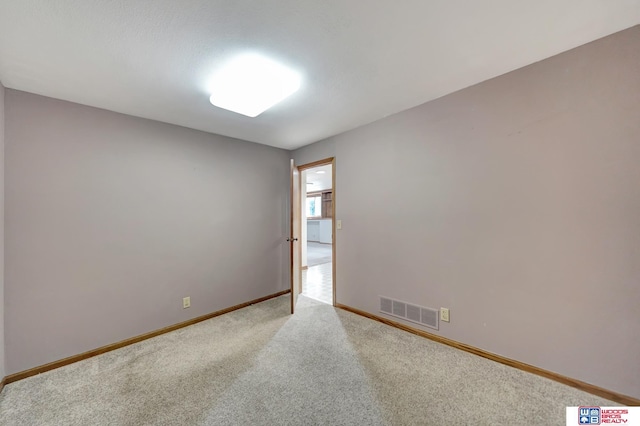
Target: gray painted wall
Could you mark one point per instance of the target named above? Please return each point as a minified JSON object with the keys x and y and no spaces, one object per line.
{"x":516,"y":204}
{"x":111,"y":220}
{"x":2,"y":359}
{"x":314,"y":152}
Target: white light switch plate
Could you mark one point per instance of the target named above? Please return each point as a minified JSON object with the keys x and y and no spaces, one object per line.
{"x":339,"y":224}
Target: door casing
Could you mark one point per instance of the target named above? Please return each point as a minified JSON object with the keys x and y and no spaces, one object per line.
{"x":297,"y":206}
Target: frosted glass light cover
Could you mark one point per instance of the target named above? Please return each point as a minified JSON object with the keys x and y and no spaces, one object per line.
{"x":251,"y":84}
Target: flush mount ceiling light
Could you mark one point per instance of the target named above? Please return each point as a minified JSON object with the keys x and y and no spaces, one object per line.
{"x":251,"y":84}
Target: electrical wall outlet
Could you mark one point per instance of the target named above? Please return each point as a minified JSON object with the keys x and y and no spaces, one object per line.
{"x":444,"y":314}
{"x":186,"y":302}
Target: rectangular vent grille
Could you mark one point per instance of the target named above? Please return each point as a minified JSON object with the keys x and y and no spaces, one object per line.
{"x":413,"y":313}
{"x":385,"y":305}
{"x":399,"y":309}
{"x":429,"y":317}
{"x":420,"y":315}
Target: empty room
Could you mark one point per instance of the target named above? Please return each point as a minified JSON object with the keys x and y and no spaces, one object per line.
{"x":315,"y":213}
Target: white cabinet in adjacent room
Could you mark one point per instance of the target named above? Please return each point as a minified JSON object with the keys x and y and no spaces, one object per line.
{"x":313,"y":230}
{"x":325,"y":231}
{"x":319,"y":230}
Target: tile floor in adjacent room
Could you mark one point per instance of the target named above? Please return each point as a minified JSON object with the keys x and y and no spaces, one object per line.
{"x":317,"y":283}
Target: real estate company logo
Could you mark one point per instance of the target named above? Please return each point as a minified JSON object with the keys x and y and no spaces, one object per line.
{"x":589,"y":415}
{"x":608,"y":415}
{"x":594,"y":415}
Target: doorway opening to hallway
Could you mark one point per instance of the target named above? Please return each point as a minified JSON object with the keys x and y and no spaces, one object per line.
{"x":317,"y":210}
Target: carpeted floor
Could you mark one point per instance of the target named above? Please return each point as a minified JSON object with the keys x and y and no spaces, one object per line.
{"x":260,"y":366}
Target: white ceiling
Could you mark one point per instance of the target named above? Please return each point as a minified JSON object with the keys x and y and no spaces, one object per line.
{"x":361,"y":59}
{"x":315,"y":181}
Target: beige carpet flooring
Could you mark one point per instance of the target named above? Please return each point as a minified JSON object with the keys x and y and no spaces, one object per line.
{"x":261,"y":366}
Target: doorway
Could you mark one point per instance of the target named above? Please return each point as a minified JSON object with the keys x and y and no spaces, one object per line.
{"x":317,"y":211}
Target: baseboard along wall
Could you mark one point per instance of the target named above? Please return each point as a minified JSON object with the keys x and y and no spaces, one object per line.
{"x":578,"y":384}
{"x":574,"y":383}
{"x":108,"y":348}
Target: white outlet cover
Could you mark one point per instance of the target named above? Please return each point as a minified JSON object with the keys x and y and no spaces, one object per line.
{"x":444,"y":314}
